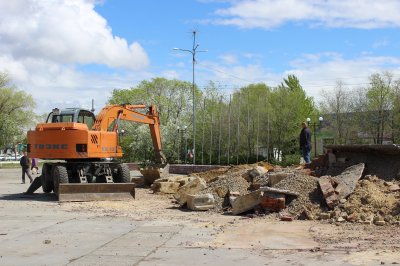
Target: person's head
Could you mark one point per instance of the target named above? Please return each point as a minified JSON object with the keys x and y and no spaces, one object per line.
{"x":25,"y":153}
{"x":304,"y":124}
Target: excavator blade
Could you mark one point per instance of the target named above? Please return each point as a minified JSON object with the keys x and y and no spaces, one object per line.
{"x":89,"y":191}
{"x":151,"y":173}
{"x":96,"y":191}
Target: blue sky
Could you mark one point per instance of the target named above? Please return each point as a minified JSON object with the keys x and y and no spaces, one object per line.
{"x":65,"y":53}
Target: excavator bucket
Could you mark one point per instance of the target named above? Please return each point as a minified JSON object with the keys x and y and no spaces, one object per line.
{"x":154,"y":172}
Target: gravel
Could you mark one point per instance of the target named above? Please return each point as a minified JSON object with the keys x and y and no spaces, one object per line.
{"x":307,"y":187}
{"x":233,"y":181}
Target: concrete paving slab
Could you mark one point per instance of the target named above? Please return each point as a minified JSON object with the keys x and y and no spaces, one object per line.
{"x":105,"y":260}
{"x":202,"y":256}
{"x":39,"y":231}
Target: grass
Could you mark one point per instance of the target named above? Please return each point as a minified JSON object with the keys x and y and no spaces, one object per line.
{"x":9,"y":165}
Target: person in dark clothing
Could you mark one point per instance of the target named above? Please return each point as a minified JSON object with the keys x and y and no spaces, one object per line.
{"x":305,"y":142}
{"x":24,"y":162}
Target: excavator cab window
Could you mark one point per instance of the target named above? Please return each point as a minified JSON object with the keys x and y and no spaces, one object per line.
{"x":59,"y":118}
{"x":86,"y":117}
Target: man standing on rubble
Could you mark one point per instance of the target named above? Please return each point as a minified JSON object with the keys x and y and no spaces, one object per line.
{"x":305,"y":142}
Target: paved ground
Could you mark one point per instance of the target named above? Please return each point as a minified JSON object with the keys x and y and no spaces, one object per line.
{"x":37,"y":230}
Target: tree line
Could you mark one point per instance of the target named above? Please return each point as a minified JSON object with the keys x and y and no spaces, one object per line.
{"x":255,"y":122}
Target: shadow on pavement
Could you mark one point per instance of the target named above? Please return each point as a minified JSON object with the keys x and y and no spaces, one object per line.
{"x":31,"y":197}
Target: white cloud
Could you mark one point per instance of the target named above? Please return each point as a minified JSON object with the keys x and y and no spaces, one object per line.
{"x":380,"y":44}
{"x":54,"y":85}
{"x":316,"y":72}
{"x":269,"y":14}
{"x":229,"y":59}
{"x":43,"y":42}
{"x":64,"y":32}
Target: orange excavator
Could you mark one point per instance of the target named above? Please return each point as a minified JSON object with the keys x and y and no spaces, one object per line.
{"x":82,"y":151}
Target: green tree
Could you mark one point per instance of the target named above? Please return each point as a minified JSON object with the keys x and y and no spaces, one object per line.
{"x":338,"y":105}
{"x":380,"y":96}
{"x":290,"y":106}
{"x":16,"y":112}
{"x":173,"y":100}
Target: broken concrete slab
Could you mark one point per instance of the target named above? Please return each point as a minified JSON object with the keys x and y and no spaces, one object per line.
{"x":279,"y":191}
{"x":257,"y":171}
{"x":233,"y":196}
{"x":246,"y":202}
{"x":275,"y":178}
{"x":348,"y":179}
{"x":191,"y":188}
{"x":165,"y":187}
{"x":394,"y":188}
{"x":200,"y":202}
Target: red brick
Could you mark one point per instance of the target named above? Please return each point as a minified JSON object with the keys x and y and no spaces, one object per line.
{"x":287,"y":218}
{"x":273,"y":203}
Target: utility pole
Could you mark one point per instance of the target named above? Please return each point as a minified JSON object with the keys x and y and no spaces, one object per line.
{"x":193,"y":52}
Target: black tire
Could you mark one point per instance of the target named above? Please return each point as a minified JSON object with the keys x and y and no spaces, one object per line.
{"x":122,"y":174}
{"x":47,"y":182}
{"x":60,"y":176}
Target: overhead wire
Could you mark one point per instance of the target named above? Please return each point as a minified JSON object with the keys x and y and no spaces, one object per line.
{"x":307,"y":85}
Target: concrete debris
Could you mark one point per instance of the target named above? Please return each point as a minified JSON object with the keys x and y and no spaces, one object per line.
{"x":290,"y":191}
{"x":324,"y":216}
{"x":246,"y":202}
{"x":233,"y":196}
{"x":275,"y":178}
{"x":226,"y":184}
{"x":339,"y":187}
{"x":347,"y":180}
{"x":394,"y":188}
{"x":310,"y":195}
{"x":200,"y":202}
{"x":256,"y":172}
{"x":165,"y":187}
{"x":193,"y":187}
{"x":279,"y":191}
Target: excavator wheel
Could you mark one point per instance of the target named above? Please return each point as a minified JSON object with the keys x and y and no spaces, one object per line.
{"x":122,"y":174}
{"x":47,"y":183}
{"x":60,"y":176}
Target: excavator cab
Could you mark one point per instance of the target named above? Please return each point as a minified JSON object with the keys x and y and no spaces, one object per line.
{"x":75,"y":115}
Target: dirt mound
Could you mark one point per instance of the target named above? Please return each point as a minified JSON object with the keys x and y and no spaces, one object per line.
{"x":372,"y":197}
{"x":211,"y":175}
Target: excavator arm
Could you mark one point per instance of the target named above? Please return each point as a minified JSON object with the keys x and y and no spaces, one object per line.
{"x":110,"y":116}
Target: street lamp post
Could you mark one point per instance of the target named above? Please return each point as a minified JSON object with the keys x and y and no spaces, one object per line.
{"x":193,"y":52}
{"x":186,"y":150}
{"x":314,"y":124}
{"x":179,"y":143}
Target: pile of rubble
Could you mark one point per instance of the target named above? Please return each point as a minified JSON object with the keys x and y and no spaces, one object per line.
{"x":289,"y":193}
